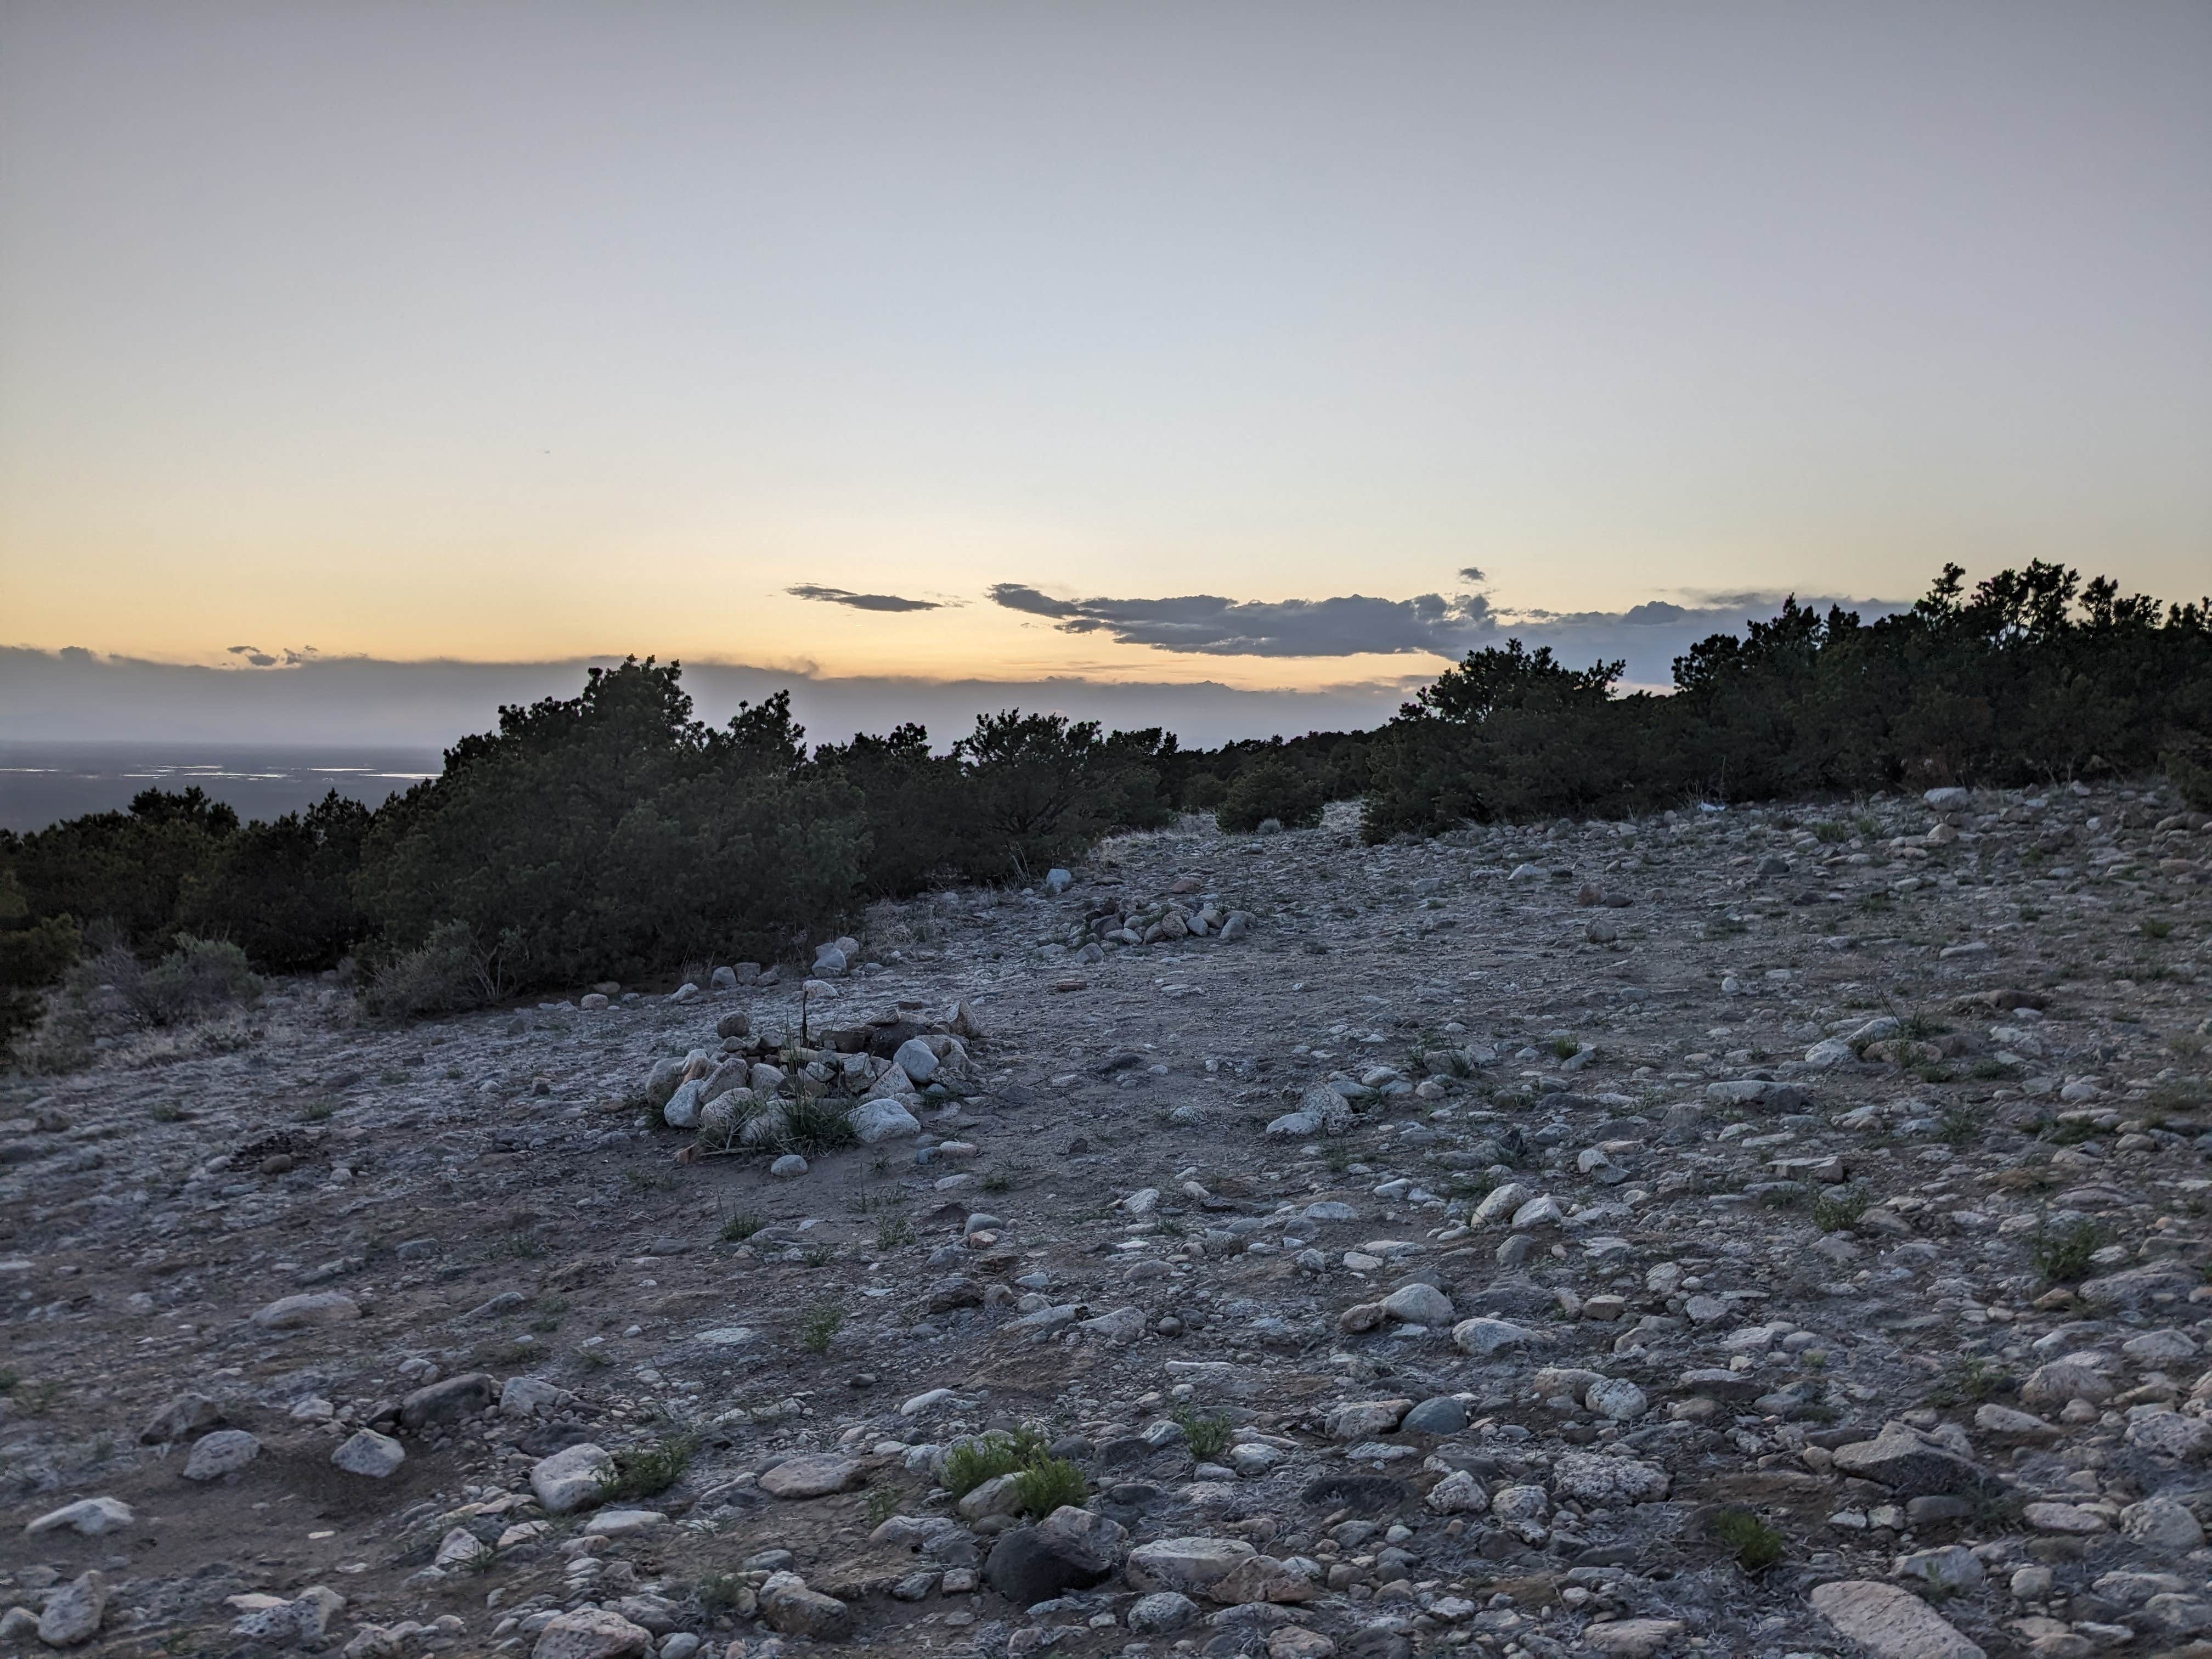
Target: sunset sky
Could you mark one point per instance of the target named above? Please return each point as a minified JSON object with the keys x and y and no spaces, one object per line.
{"x":944,"y":340}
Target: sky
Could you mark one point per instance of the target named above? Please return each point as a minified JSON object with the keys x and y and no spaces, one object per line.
{"x":1280,"y":350}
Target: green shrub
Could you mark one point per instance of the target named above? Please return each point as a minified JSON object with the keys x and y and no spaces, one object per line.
{"x":448,"y":972}
{"x":820,"y":1327}
{"x":968,"y":1463}
{"x":1048,"y":1484}
{"x":1203,"y":791}
{"x":197,"y":977}
{"x":1807,"y":704}
{"x":1269,"y":789}
{"x":641,"y":1471}
{"x":1208,"y":1432}
{"x":1839,"y":1207}
{"x":1754,"y":1544}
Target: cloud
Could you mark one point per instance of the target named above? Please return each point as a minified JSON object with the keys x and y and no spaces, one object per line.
{"x":1472,"y":573}
{"x":861,"y":601}
{"x":1208,"y":624}
{"x":254,"y":654}
{"x":1647,"y":636}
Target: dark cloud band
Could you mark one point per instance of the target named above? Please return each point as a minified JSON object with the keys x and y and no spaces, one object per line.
{"x":861,"y":601}
{"x":1647,"y":635}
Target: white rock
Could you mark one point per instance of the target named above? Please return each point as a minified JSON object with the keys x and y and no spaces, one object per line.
{"x":1458,"y":1493}
{"x":370,"y":1454}
{"x":1484,"y":1337}
{"x":570,"y":1477}
{"x":915,"y":1059}
{"x":88,"y":1516}
{"x":1888,"y":1622}
{"x":294,"y":1313}
{"x":224,"y":1452}
{"x":880,"y":1120}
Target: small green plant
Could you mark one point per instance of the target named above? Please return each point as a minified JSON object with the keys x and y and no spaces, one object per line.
{"x":817,"y":1255}
{"x":1832,"y":832}
{"x":881,"y":1503}
{"x":317,"y":1111}
{"x":594,"y":1358}
{"x":740,"y":1228}
{"x":997,"y":1182}
{"x":1977,"y":1379}
{"x":1208,"y":1432}
{"x":2064,"y":1256}
{"x":2069,"y":1132}
{"x":892,"y":1232}
{"x":167,"y":1112}
{"x":820,"y":1327}
{"x":723,"y":1592}
{"x":1838,"y":1208}
{"x":10,"y":1376}
{"x":1566,"y":1047}
{"x":1051,"y":1482}
{"x":1867,"y":826}
{"x":1959,"y":1126}
{"x":642,"y":1471}
{"x":1755,"y":1544}
{"x":2157,"y":928}
{"x":969,"y":1463}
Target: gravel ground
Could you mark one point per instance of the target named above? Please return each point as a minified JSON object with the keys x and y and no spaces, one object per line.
{"x":1755,"y":1232}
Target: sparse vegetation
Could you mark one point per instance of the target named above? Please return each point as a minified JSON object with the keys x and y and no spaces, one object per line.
{"x":2063,"y":1256}
{"x":968,"y":1463}
{"x":737,"y":1228}
{"x":1839,"y":1208}
{"x":1206,"y":1432}
{"x":640,"y":1472}
{"x":1048,"y":1484}
{"x":820,"y":1327}
{"x":1755,"y":1544}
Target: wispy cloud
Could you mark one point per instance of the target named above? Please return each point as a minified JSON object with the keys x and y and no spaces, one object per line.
{"x":862,"y":601}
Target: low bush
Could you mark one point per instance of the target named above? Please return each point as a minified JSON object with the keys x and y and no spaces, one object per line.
{"x":199,"y":976}
{"x":448,"y":972}
{"x":1270,"y":789}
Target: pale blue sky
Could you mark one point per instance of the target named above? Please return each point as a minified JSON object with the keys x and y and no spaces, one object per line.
{"x":523,"y":331}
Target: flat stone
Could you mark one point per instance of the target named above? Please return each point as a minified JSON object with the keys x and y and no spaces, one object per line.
{"x":226,"y":1451}
{"x":814,"y":1475}
{"x":1630,"y":1638}
{"x":1483,"y":1337}
{"x":620,"y":1523}
{"x":89,"y":1517}
{"x":448,"y":1399}
{"x":1902,"y":1458}
{"x":1187,"y":1565}
{"x":1889,"y":1623}
{"x":310,"y":1308}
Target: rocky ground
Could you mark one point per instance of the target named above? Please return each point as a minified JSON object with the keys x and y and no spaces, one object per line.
{"x":1757,"y":1232}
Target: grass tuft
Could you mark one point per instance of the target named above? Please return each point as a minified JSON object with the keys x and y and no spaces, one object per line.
{"x":1208,"y":1432}
{"x":969,"y":1463}
{"x":1755,"y":1544}
{"x":2062,"y":1257}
